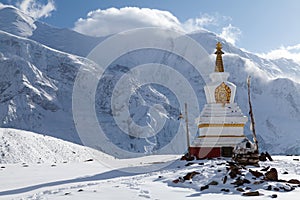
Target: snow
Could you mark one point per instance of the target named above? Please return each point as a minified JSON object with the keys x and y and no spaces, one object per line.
{"x":91,"y":180}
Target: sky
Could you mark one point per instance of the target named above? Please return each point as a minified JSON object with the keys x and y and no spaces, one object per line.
{"x":268,"y":27}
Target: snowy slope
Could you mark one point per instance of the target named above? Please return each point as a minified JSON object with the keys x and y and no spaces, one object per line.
{"x":16,"y":22}
{"x":17,"y":146}
{"x":36,"y":85}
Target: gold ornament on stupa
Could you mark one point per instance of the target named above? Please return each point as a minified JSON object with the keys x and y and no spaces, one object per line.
{"x":219,"y":62}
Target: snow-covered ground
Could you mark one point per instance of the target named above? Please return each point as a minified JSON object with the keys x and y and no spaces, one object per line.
{"x":89,"y":174}
{"x":91,"y":180}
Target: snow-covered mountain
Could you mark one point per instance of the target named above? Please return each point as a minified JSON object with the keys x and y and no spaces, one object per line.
{"x":16,"y":22}
{"x":38,"y":71}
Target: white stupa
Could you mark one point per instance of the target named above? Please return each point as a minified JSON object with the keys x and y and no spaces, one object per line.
{"x":221,"y":123}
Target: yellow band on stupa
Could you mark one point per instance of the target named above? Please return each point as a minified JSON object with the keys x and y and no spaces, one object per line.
{"x":220,"y":125}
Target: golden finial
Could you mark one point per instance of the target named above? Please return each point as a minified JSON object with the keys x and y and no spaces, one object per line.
{"x":219,"y":62}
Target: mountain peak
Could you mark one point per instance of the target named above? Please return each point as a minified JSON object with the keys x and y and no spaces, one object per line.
{"x":14,"y":21}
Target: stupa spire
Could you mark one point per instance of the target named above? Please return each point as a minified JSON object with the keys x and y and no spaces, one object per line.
{"x":219,"y":62}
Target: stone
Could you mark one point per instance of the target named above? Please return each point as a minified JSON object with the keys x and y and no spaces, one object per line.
{"x":225,"y":190}
{"x":285,"y":173}
{"x":240,"y":182}
{"x":262,"y":157}
{"x":190,"y":175}
{"x":240,"y":189}
{"x":255,"y":193}
{"x":189,"y":164}
{"x":269,"y":187}
{"x":257,"y":174}
{"x":176,"y":181}
{"x":258,"y":182}
{"x":265,"y":169}
{"x":224,"y":179}
{"x":204,"y":187}
{"x":269,"y":156}
{"x":213,"y":183}
{"x":274,"y":196}
{"x":294,"y":181}
{"x":272,"y":175}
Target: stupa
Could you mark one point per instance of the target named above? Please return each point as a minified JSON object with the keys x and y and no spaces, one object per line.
{"x":221,"y":122}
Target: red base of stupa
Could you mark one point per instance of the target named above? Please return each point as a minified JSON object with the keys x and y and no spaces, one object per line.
{"x":210,"y":152}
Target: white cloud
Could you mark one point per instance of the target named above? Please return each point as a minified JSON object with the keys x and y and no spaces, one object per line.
{"x":289,"y":52}
{"x":36,"y":9}
{"x":113,"y":20}
{"x":194,"y":24}
{"x":230,"y":33}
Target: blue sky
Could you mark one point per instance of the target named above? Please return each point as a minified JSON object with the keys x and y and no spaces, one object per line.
{"x":258,"y":25}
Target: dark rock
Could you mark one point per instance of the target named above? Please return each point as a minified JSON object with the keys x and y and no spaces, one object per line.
{"x":89,"y":160}
{"x":265,"y":169}
{"x":240,"y":189}
{"x":159,"y":176}
{"x":201,"y":163}
{"x":274,"y":196}
{"x":213,"y":183}
{"x":189,"y":163}
{"x":67,"y":193}
{"x":294,"y":181}
{"x":276,"y":189}
{"x":282,"y":181}
{"x":269,"y":187}
{"x":204,"y":187}
{"x":285,"y":173}
{"x":221,"y":163}
{"x":53,"y":165}
{"x":255,"y":193}
{"x":269,"y":156}
{"x":2,"y":167}
{"x":225,"y":190}
{"x":257,"y":174}
{"x":246,"y":181}
{"x":262,"y":157}
{"x":224,"y":179}
{"x":176,"y":181}
{"x":219,"y":170}
{"x":296,"y":159}
{"x":272,"y":175}
{"x":190,"y":175}
{"x":80,"y":190}
{"x":234,"y":170}
{"x":240,"y":182}
{"x":25,"y":165}
{"x":247,"y":188}
{"x":258,"y":182}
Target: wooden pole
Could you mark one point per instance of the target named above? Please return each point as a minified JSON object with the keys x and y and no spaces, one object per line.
{"x":187,"y":127}
{"x":251,"y":115}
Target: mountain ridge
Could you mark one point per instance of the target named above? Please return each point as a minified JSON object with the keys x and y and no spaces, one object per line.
{"x":36,"y":86}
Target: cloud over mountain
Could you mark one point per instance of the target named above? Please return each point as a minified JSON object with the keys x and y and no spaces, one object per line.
{"x":114,"y":20}
{"x":35,"y":8}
